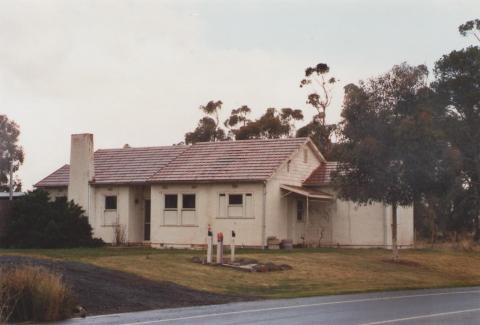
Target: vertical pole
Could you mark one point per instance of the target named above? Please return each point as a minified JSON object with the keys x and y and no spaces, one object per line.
{"x":219,"y":248}
{"x":11,"y":181}
{"x":308,"y":213}
{"x":232,"y":248}
{"x":209,"y":245}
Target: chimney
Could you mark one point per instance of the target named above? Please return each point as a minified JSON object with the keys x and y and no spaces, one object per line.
{"x":81,"y":169}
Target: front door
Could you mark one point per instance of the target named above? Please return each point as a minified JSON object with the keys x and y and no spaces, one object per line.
{"x":146,"y":232}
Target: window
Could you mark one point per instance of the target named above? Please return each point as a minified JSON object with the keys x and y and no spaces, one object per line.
{"x":300,"y":210}
{"x":110,"y":202}
{"x":235,"y":199}
{"x":171,"y":201}
{"x":180,"y":213}
{"x":288,"y":166}
{"x":305,"y":155}
{"x":235,"y":205}
{"x":188,"y":201}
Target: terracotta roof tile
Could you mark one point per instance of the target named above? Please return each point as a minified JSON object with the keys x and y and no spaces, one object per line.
{"x":247,"y":160}
{"x":321,"y":175}
{"x":58,"y":178}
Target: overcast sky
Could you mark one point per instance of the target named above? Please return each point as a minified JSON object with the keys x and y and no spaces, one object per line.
{"x":134,"y":71}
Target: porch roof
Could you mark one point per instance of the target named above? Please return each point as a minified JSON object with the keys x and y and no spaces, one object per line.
{"x":307,"y":192}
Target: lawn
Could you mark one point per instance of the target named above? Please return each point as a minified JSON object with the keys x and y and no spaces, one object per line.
{"x":315,"y":272}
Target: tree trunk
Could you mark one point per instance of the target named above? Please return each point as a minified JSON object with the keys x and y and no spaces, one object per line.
{"x":394,"y":232}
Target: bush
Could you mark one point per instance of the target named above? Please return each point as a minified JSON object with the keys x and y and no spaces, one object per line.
{"x":37,"y":222}
{"x":33,"y":294}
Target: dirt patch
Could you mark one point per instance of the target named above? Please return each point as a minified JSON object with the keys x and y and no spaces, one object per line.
{"x":103,"y":291}
{"x":246,"y":264}
{"x":402,"y":262}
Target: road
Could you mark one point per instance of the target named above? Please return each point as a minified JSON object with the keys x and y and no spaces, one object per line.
{"x":435,"y":306}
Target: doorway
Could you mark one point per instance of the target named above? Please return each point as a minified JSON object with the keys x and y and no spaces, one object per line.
{"x":146,"y":231}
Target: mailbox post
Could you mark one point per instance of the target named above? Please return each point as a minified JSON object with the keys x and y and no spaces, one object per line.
{"x":220,"y":248}
{"x":209,"y":245}
{"x":232,"y":247}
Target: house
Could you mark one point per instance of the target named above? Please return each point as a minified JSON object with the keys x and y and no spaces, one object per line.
{"x":169,"y":196}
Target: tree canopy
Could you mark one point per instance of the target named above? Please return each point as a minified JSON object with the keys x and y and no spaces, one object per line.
{"x":11,"y":153}
{"x":457,"y":85}
{"x":385,"y":136}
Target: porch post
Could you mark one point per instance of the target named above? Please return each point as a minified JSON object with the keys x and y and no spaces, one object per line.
{"x":308,"y":212}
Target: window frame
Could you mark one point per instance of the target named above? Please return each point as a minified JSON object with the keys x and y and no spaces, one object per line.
{"x":226,"y":195}
{"x":194,"y":202}
{"x":236,"y":204}
{"x":107,"y":197}
{"x":165,"y":202}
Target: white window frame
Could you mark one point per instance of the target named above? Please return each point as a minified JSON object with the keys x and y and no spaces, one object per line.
{"x":180,"y":209}
{"x":243,"y":205}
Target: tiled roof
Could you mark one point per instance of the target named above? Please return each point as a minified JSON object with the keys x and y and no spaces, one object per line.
{"x":58,"y":178}
{"x":321,"y":175}
{"x":132,"y":165}
{"x":246,"y":160}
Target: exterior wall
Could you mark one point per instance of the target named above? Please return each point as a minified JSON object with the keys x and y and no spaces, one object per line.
{"x":104,"y":221}
{"x":57,"y":192}
{"x":248,"y":230}
{"x":370,"y":225}
{"x":359,"y":225}
{"x":294,"y":172}
{"x":405,"y":226}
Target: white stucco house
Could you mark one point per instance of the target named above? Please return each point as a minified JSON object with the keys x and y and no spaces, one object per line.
{"x":168,"y":196}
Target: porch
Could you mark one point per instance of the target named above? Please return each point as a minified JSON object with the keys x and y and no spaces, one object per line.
{"x":309,"y":215}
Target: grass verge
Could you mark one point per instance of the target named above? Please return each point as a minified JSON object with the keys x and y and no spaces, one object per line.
{"x":315,"y":271}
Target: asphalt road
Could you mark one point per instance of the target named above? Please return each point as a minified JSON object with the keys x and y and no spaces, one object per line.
{"x":438,"y":306}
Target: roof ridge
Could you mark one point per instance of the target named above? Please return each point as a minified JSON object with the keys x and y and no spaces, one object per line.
{"x":147,"y":147}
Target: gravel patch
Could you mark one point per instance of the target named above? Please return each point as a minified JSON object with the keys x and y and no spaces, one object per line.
{"x":104,"y":291}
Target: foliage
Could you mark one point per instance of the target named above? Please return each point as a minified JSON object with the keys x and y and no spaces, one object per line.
{"x":320,"y":97}
{"x":457,"y":87}
{"x":208,"y":128}
{"x":37,"y":222}
{"x":11,"y":153}
{"x":388,"y":149}
{"x":471,"y":26}
{"x":272,"y":124}
{"x":33,"y":294}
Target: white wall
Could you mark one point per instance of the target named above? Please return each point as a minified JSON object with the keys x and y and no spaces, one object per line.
{"x":248,"y":229}
{"x":278,"y":220}
{"x":370,"y":225}
{"x":57,"y":192}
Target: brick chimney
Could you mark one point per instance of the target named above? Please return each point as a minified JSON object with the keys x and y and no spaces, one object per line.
{"x":81,"y":169}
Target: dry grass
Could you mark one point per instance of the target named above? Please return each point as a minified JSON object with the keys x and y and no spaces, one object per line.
{"x":33,"y":294}
{"x":315,"y":271}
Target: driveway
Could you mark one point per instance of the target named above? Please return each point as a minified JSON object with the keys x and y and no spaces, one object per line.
{"x":436,"y":306}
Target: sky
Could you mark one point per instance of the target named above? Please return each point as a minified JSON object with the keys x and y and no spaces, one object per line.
{"x":136,"y":71}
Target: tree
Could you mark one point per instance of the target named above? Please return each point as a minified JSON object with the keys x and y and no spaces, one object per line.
{"x":238,"y":118}
{"x":457,"y":86}
{"x":384,"y":135}
{"x":11,"y":154}
{"x":37,"y":222}
{"x":208,"y":128}
{"x":321,"y":87}
{"x":272,"y":124}
{"x":471,"y":26}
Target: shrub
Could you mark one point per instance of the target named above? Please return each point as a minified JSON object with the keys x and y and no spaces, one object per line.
{"x":33,"y":294}
{"x":37,"y":222}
